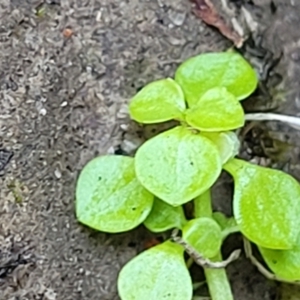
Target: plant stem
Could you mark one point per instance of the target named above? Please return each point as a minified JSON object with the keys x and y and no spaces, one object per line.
{"x":189,"y":262}
{"x":202,"y":205}
{"x":218,"y":284}
{"x":226,"y":232}
{"x":217,"y":281}
{"x":234,"y":165}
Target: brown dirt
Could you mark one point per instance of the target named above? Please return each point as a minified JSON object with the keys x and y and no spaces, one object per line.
{"x":63,"y":101}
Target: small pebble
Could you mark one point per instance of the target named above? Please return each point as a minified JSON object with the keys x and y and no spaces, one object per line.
{"x":131,"y":144}
{"x":57,"y":173}
{"x":43,"y":112}
{"x":50,"y":294}
{"x":124,"y":127}
{"x":110,"y":150}
{"x":177,"y":18}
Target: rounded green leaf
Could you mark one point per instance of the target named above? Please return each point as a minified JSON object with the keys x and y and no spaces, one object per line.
{"x":227,"y":143}
{"x":159,"y":101}
{"x":217,"y":110}
{"x":204,"y":235}
{"x":109,"y":197}
{"x":284,"y":263}
{"x":164,"y":217}
{"x":201,"y":73}
{"x":156,"y":274}
{"x":177,"y":165}
{"x":266,"y":204}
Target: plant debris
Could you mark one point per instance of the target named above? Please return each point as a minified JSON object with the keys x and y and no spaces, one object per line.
{"x":206,"y":11}
{"x":199,"y":259}
{"x":5,"y":157}
{"x":68,"y":32}
{"x":15,"y":256}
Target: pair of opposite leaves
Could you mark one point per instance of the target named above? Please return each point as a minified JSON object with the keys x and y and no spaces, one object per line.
{"x":212,"y":85}
{"x":115,"y":193}
{"x":186,"y":165}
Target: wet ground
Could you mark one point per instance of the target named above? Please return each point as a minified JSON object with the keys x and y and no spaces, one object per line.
{"x":67,"y":71}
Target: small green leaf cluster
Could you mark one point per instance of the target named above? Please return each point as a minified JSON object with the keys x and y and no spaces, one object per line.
{"x":118,"y":193}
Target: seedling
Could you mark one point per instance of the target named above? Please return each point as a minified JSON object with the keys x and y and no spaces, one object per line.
{"x":119,"y":193}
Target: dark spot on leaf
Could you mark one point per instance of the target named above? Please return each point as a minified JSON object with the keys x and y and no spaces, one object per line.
{"x":274,"y":262}
{"x":191,"y":163}
{"x":99,"y":178}
{"x":133,"y":208}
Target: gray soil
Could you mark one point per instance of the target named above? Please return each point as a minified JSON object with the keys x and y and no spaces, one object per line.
{"x":63,"y":101}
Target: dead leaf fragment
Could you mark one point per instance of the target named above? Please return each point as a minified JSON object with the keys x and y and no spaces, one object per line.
{"x":206,"y":11}
{"x":68,"y":32}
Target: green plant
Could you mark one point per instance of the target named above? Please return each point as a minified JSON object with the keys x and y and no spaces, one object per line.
{"x":118,"y":193}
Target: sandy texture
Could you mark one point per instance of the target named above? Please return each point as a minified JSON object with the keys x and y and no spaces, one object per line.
{"x":67,"y":71}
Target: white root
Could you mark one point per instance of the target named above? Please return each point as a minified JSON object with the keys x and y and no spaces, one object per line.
{"x":290,"y":120}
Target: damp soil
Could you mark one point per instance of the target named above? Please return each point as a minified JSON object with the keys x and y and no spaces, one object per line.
{"x":67,"y":71}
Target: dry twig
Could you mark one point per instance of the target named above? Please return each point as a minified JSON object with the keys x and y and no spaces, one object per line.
{"x":199,"y":259}
{"x":269,"y":275}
